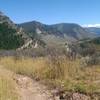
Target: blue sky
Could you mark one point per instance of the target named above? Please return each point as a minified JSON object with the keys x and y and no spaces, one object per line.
{"x":52,"y":11}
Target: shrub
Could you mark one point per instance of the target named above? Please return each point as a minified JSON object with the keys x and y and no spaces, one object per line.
{"x":9,"y":38}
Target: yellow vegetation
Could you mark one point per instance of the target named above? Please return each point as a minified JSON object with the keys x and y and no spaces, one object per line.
{"x":59,"y":71}
{"x":8,"y":89}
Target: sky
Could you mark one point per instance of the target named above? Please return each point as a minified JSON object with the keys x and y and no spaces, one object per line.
{"x":83,"y":12}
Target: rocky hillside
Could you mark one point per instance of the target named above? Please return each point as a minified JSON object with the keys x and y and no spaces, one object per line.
{"x":5,"y":19}
{"x":11,"y":37}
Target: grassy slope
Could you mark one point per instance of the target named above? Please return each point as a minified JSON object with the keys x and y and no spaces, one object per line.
{"x":58,"y":72}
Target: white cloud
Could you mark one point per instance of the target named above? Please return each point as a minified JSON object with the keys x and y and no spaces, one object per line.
{"x":92,"y":25}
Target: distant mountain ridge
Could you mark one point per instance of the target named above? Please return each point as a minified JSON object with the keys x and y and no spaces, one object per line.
{"x":34,"y":34}
{"x":64,"y":30}
{"x":93,"y":30}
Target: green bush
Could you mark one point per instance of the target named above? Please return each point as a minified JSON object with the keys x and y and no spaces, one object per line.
{"x":8,"y":37}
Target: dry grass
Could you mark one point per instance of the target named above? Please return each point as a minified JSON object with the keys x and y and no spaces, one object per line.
{"x":57,"y":71}
{"x":8,"y":89}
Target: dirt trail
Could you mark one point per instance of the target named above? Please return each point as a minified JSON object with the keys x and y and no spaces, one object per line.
{"x":29,"y":89}
{"x":32,"y":90}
